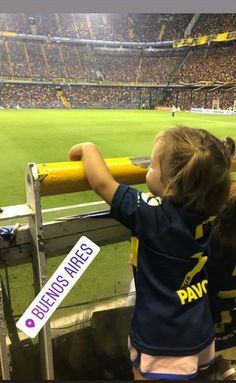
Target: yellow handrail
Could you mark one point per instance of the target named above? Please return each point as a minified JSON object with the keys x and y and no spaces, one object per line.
{"x":69,"y":177}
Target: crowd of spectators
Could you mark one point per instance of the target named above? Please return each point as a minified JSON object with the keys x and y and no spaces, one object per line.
{"x":92,"y":96}
{"x":175,"y":26}
{"x":226,"y":98}
{"x":29,"y":96}
{"x":209,"y":64}
{"x":208,"y":24}
{"x":18,"y":59}
{"x":71,"y":63}
{"x":54,"y":61}
{"x":47,"y":96}
{"x":158,"y":68}
{"x":98,"y":97}
{"x":5,"y":63}
{"x":15,"y":22}
{"x":116,"y":27}
{"x":203,"y":98}
{"x":119,"y":67}
{"x":51,"y":60}
{"x":37,"y":60}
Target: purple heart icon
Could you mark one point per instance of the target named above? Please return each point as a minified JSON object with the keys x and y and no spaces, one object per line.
{"x":29,"y":323}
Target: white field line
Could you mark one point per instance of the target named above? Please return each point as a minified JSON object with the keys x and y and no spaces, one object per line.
{"x":72,"y":206}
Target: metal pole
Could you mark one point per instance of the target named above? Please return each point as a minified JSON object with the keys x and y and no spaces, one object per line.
{"x":39,"y":264}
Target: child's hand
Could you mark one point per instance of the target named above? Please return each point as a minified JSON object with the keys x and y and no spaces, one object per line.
{"x":76,"y":152}
{"x":96,"y":170}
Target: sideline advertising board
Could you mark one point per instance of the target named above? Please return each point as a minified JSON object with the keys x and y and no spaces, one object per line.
{"x":213,"y":111}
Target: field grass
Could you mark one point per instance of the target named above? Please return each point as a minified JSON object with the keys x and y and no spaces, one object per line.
{"x":46,"y":136}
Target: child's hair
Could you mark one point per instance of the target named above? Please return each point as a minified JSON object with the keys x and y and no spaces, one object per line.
{"x":194,"y":169}
{"x":224,"y":231}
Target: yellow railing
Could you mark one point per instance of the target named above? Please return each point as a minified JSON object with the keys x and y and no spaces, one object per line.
{"x":69,"y":177}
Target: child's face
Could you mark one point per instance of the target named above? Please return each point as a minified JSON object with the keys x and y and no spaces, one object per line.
{"x":153,"y":177}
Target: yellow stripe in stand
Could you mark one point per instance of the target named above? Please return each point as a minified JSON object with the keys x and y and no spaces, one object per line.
{"x":69,"y":177}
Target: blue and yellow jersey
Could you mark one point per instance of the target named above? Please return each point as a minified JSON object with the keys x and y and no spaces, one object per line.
{"x":134,"y":242}
{"x":172,"y":314}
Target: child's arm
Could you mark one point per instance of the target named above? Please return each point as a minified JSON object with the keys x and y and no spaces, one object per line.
{"x":96,"y":170}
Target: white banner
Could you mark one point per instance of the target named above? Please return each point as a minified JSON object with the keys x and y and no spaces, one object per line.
{"x":58,"y":286}
{"x":213,"y":111}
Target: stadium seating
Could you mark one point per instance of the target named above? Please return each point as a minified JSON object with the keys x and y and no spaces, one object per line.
{"x":44,"y":64}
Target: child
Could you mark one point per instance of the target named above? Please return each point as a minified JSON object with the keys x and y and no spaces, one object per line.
{"x":222,"y":285}
{"x":171,"y":331}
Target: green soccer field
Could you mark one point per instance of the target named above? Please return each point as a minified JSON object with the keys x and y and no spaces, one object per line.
{"x":46,"y":136}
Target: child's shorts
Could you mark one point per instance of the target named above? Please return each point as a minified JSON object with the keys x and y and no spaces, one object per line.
{"x":170,"y":367}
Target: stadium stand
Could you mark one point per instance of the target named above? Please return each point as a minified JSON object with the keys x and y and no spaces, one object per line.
{"x":201,"y":98}
{"x":159,"y":68}
{"x":217,"y":23}
{"x":209,"y":64}
{"x":116,"y":27}
{"x":25,"y":95}
{"x":38,"y":60}
{"x":94,"y":96}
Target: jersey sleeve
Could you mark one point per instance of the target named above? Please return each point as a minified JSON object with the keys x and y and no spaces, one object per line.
{"x":136,"y":210}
